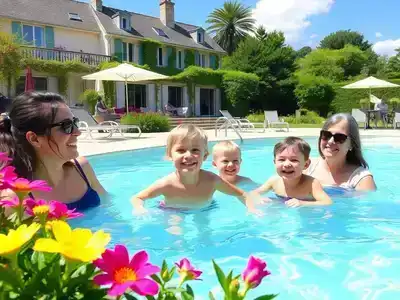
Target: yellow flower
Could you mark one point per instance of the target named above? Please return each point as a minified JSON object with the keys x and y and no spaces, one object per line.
{"x":76,"y":245}
{"x":15,"y":239}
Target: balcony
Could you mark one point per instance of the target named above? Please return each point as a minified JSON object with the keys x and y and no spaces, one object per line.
{"x":64,"y":56}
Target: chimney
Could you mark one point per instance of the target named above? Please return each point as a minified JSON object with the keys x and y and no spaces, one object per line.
{"x":97,"y":4}
{"x":167,"y":13}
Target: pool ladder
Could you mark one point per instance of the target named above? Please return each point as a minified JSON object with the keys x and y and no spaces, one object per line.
{"x":223,"y":123}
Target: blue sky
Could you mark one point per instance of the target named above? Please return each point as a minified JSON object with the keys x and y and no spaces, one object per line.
{"x":304,"y":22}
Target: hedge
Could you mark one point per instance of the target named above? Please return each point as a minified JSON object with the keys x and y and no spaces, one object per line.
{"x":346,"y":99}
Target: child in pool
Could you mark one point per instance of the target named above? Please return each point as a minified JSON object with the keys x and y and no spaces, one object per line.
{"x":188,"y":187}
{"x":227,"y":158}
{"x":291,"y":158}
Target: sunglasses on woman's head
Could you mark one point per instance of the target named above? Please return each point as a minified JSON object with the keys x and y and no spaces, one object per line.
{"x":67,"y":126}
{"x":338,"y":138}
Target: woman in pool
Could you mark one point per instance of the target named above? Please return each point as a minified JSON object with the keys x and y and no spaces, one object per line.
{"x":40,"y":135}
{"x":341,"y":163}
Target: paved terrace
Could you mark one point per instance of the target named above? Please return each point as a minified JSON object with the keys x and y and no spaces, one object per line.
{"x":100,"y":145}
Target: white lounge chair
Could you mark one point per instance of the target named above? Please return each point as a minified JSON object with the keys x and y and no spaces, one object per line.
{"x":396,"y":120}
{"x":271,"y":119}
{"x":88,"y":124}
{"x":237,"y":123}
{"x":359,"y":116}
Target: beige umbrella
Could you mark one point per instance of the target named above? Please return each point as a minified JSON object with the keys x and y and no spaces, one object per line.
{"x":370,"y":83}
{"x":126,"y":73}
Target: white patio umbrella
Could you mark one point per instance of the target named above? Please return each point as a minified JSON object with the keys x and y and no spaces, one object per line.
{"x":370,"y":83}
{"x":126,"y":73}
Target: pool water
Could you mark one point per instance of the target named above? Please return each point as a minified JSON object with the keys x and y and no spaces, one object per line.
{"x":349,"y":250}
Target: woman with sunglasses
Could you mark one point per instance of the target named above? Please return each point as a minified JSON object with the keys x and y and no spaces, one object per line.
{"x":40,"y":134}
{"x":341,"y":163}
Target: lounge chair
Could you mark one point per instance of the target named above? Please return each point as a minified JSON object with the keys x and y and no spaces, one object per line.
{"x":271,"y":119}
{"x":360,"y":116}
{"x":396,"y":120}
{"x":237,"y":123}
{"x":88,"y":124}
{"x":177,"y":111}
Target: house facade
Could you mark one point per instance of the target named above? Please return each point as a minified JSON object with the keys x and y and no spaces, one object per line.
{"x":92,"y":33}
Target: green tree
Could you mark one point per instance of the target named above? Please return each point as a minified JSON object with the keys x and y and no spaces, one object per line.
{"x":10,"y":59}
{"x":394,"y":63}
{"x":261,"y":33}
{"x":230,"y":24}
{"x":303,"y":52}
{"x":339,"y":39}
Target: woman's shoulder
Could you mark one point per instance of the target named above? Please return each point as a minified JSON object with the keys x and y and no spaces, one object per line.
{"x":358,"y":173}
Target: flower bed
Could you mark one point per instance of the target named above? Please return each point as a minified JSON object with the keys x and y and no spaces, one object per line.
{"x":41,"y":257}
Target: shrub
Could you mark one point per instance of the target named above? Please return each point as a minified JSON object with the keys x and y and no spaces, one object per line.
{"x":394,"y":102}
{"x":256,"y":118}
{"x":365,"y":103}
{"x":89,"y":97}
{"x":306,"y":117}
{"x":148,"y":122}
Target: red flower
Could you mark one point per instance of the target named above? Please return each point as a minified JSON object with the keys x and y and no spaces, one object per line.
{"x":254,"y":272}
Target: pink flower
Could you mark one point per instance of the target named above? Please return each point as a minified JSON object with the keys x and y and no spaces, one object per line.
{"x":12,"y":203}
{"x":254,"y":272}
{"x":187,"y":271}
{"x":24,"y":185}
{"x":123,"y":274}
{"x":61,"y":212}
{"x":7,"y":175}
{"x":4,"y":157}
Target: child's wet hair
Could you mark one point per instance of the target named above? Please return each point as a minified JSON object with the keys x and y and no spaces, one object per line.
{"x":228,"y":146}
{"x":290,"y":141}
{"x":183,"y":132}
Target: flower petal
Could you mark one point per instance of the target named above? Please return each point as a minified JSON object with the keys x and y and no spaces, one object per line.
{"x":47,"y":245}
{"x":119,"y":289}
{"x":103,"y":279}
{"x":147,"y":270}
{"x":139,"y":260}
{"x":61,"y":230}
{"x":145,"y":287}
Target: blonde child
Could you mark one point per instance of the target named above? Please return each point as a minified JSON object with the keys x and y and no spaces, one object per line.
{"x":227,"y":158}
{"x":188,"y":187}
{"x":291,"y":158}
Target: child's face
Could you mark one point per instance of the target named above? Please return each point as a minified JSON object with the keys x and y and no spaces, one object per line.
{"x":227,"y":163}
{"x":188,"y":155}
{"x":290,"y":163}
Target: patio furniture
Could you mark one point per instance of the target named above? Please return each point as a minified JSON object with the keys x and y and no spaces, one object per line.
{"x":361,"y":117}
{"x":271,"y":119}
{"x":396,"y":120}
{"x":176,"y":111}
{"x":238,"y":123}
{"x":88,"y":124}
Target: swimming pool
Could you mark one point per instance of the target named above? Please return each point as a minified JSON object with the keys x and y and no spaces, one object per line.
{"x":346,"y":251}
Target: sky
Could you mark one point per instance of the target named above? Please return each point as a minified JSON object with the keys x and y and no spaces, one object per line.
{"x":304,"y":22}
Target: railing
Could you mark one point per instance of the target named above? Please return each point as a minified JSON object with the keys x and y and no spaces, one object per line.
{"x":64,"y":56}
{"x":223,"y":122}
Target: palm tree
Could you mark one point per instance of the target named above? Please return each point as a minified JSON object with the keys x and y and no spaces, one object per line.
{"x":230,"y":24}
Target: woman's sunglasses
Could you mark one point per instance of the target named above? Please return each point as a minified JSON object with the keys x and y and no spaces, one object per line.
{"x":67,"y":126}
{"x":339,"y":138}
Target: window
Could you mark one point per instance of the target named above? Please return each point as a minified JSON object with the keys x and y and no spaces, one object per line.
{"x":128,"y":52}
{"x":137,"y":95}
{"x":160,"y":58}
{"x":175,"y":96}
{"x":180,"y":62}
{"x":160,"y":32}
{"x":40,"y":84}
{"x":33,"y":35}
{"x":74,"y":17}
{"x":202,"y":60}
{"x":199,"y":37}
{"x":124,"y":23}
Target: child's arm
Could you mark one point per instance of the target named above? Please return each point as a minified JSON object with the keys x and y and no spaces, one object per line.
{"x":267,"y":186}
{"x":154,"y":190}
{"x":318,"y":193}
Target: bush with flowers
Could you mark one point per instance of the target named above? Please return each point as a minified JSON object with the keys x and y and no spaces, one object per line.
{"x":41,"y":257}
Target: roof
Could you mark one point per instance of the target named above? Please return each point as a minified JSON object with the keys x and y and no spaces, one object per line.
{"x":51,"y":12}
{"x":142,"y":27}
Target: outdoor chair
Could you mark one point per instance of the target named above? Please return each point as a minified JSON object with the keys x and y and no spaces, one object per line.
{"x":238,"y":123}
{"x":396,"y":120}
{"x":176,"y":111}
{"x":360,"y":116}
{"x":271,"y":119}
{"x":88,"y":124}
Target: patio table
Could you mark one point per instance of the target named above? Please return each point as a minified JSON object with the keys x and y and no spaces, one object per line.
{"x":369,"y":113}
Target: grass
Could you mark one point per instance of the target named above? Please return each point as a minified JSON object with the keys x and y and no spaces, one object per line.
{"x":296,"y":125}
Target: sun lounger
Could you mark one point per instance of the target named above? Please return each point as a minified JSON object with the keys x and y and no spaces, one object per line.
{"x":271,"y":119}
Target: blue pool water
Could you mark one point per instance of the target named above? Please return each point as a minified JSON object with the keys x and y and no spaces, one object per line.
{"x":346,"y":251}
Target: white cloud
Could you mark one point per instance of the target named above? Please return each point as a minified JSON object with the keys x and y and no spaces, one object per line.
{"x":289,"y":16}
{"x":313,"y":36}
{"x":378,"y":35}
{"x":386,"y":47}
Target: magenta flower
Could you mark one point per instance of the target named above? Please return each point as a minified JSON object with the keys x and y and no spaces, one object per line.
{"x":52,"y":209}
{"x":123,"y":274}
{"x":7,"y":175}
{"x":187,"y":271}
{"x":254,"y":272}
{"x":61,"y":212}
{"x":12,"y":203}
{"x":4,"y":157}
{"x":24,"y":185}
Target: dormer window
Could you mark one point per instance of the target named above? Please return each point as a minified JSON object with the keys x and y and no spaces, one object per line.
{"x":160,"y":32}
{"x":74,"y":17}
{"x":200,"y":37}
{"x":124,"y":23}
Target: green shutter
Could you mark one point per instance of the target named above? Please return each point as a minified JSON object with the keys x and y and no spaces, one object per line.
{"x":16,"y":28}
{"x":140,"y":60}
{"x":197,"y":58}
{"x":212,"y":62}
{"x":118,"y":49}
{"x":169,"y":53}
{"x":49,"y":37}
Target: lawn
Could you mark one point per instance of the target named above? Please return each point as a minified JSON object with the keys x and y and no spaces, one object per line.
{"x":297,"y":125}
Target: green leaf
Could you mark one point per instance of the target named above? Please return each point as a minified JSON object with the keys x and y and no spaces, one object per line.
{"x":229,"y":278}
{"x":9,"y":277}
{"x":157,"y":279}
{"x":221,"y":277}
{"x":164,"y":267}
{"x":189,"y":290}
{"x":211,"y":296}
{"x":186,"y":296}
{"x":266,"y":297}
{"x":171,"y":274}
{"x":150,"y":298}
{"x":130,"y":297}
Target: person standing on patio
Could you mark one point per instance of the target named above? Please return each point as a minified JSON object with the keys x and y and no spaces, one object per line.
{"x":341,"y":162}
{"x":40,"y":134}
{"x":102,"y":112}
{"x":382,"y":113}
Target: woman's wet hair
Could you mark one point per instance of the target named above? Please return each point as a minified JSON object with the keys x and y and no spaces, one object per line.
{"x":354,"y":155}
{"x":30,"y":111}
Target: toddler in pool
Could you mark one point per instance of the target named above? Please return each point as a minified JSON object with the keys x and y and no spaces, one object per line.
{"x":188,"y":187}
{"x":291,"y":158}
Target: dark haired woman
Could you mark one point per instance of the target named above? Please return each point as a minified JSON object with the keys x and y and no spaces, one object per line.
{"x":40,"y":134}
